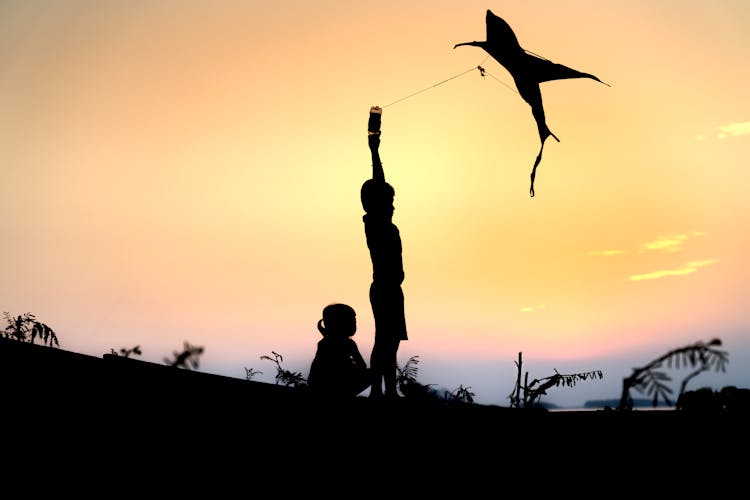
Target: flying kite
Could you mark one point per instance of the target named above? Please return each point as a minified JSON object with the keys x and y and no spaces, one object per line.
{"x":528,"y":71}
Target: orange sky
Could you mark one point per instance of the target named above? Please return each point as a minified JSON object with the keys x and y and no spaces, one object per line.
{"x":190,"y":171}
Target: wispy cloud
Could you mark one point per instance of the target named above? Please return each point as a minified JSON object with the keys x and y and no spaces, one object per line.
{"x":733,"y":130}
{"x":528,"y":309}
{"x":670,"y":243}
{"x":605,"y":253}
{"x":688,"y":268}
{"x":663,"y":244}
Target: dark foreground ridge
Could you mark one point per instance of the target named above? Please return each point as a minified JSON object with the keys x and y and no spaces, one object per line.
{"x":63,"y":401}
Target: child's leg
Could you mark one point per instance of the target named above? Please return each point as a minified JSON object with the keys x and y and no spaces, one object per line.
{"x":376,"y":371}
{"x":391,"y":370}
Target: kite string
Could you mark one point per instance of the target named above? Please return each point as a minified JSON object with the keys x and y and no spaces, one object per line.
{"x":430,"y":87}
{"x":479,"y":67}
{"x":485,"y":72}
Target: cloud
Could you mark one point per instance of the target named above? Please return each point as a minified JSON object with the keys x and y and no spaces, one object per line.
{"x":605,"y":253}
{"x":733,"y":130}
{"x":689,"y":268}
{"x":664,"y":244}
{"x":528,"y":309}
{"x":670,"y":243}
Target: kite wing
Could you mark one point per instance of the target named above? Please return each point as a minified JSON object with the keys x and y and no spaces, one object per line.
{"x":501,"y":36}
{"x":528,"y":71}
{"x":544,"y":70}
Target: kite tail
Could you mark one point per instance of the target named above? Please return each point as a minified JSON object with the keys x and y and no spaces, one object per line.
{"x":539,"y":159}
{"x":533,"y":170}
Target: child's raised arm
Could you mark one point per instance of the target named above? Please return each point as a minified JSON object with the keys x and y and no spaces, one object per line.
{"x":373,"y":140}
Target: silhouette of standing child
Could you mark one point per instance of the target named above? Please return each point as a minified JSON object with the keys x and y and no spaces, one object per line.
{"x":338,"y":369}
{"x":386,"y":295}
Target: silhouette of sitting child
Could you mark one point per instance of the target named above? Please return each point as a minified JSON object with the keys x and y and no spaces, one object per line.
{"x":338,"y":369}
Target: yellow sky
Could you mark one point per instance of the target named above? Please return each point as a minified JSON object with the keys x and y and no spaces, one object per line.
{"x":190,"y":170}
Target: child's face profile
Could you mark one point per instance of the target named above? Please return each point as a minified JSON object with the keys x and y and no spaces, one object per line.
{"x":343,"y":325}
{"x":377,"y":198}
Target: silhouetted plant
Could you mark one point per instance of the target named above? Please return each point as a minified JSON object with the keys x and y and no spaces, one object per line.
{"x":283,"y":376}
{"x":250,"y":373}
{"x":654,"y":382}
{"x":127,"y":352}
{"x":407,"y":374}
{"x":462,"y":394}
{"x":530,"y":393}
{"x":188,"y":358}
{"x":406,"y":380}
{"x":26,"y":328}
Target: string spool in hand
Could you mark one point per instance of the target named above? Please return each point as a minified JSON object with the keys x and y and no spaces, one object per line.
{"x":373,"y":124}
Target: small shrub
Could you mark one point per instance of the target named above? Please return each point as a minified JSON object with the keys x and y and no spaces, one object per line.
{"x":188,"y":358}
{"x":127,"y":352}
{"x":283,"y":376}
{"x":250,"y":373}
{"x":530,"y":394}
{"x":26,"y":328}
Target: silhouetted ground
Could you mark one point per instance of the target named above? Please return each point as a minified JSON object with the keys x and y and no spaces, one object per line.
{"x":126,"y":418}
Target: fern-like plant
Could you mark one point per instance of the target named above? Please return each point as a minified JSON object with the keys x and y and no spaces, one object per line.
{"x":407,"y":374}
{"x":26,"y":328}
{"x":654,"y":382}
{"x":406,"y":379}
{"x":284,"y":376}
{"x":530,"y":393}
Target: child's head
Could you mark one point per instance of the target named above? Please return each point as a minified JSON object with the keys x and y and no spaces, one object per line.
{"x":377,"y":197}
{"x":339,"y":320}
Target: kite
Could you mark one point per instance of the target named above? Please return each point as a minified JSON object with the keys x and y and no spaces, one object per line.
{"x":528,"y":71}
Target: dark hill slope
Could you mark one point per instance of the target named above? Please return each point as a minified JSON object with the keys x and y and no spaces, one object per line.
{"x":113,"y":408}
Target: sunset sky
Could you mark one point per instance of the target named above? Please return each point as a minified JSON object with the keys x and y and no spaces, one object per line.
{"x":190,"y":171}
